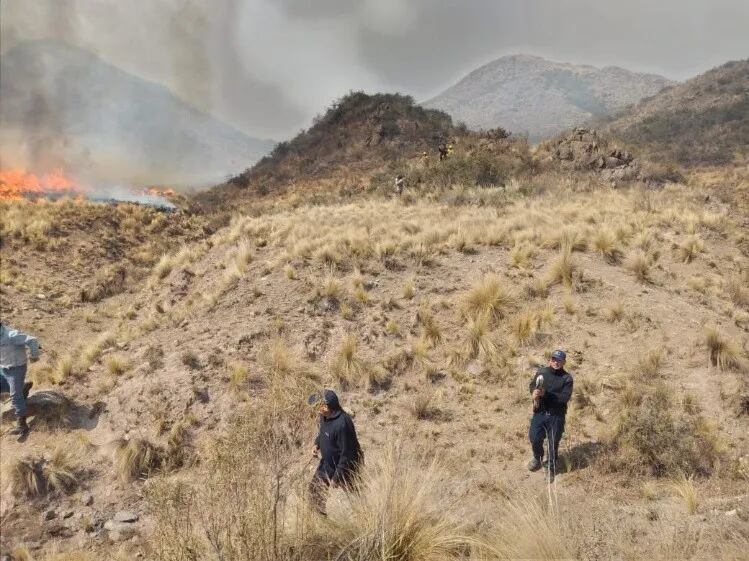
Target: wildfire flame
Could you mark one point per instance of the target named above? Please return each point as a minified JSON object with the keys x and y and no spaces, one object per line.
{"x":18,"y":183}
{"x":159,"y":192}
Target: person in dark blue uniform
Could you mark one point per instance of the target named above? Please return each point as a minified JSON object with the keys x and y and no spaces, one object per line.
{"x":551,"y":389}
{"x":338,"y":448}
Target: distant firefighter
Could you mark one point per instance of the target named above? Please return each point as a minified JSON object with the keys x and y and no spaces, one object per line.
{"x":399,"y":184}
{"x":442,"y":148}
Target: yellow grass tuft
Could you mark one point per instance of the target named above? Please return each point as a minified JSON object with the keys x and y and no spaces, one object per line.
{"x":562,"y":269}
{"x":347,"y":367}
{"x":33,"y":476}
{"x":690,"y":248}
{"x":723,"y":353}
{"x":401,"y":512}
{"x":137,"y":458}
{"x":488,"y":298}
{"x":479,"y":338}
{"x":684,"y":487}
{"x":243,"y":257}
{"x":117,"y":365}
{"x":639,"y":264}
{"x":408,"y":289}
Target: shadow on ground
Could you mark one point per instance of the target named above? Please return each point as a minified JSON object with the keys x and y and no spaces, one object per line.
{"x":51,"y":410}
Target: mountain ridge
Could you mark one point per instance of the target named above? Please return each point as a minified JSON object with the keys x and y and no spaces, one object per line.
{"x":532,"y":95}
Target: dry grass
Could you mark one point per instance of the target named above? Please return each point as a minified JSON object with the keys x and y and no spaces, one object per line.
{"x":488,"y":298}
{"x":117,"y":365}
{"x":639,"y":264}
{"x":278,"y":357}
{"x":521,"y":256}
{"x":615,"y":312}
{"x":722,"y":352}
{"x":424,"y":406}
{"x":736,"y":288}
{"x":562,"y":269}
{"x":408,"y":289}
{"x":347,"y":367}
{"x":684,"y":487}
{"x":33,"y":476}
{"x":690,"y":248}
{"x":651,"y":436}
{"x":400,"y":513}
{"x":243,"y":257}
{"x":605,"y":243}
{"x":239,"y":374}
{"x":478,"y":338}
{"x":649,"y":364}
{"x":529,"y":529}
{"x":138,"y":458}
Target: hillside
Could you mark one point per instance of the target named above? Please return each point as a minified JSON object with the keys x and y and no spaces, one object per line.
{"x":704,"y":121}
{"x":357,"y":137}
{"x":428,"y":314}
{"x":534,"y":96}
{"x":104,"y":124}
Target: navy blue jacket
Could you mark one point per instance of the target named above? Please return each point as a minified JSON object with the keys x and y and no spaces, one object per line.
{"x":557,"y":385}
{"x":339,"y":448}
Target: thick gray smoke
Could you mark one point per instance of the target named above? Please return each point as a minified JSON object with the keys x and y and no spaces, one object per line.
{"x":267,"y":67}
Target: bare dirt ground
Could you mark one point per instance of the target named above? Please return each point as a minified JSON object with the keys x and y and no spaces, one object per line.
{"x":372,"y":297}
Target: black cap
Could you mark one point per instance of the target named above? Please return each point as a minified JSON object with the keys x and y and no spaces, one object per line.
{"x":328,"y":397}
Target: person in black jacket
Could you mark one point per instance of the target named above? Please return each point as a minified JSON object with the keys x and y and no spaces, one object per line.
{"x":551,"y":389}
{"x":338,"y":448}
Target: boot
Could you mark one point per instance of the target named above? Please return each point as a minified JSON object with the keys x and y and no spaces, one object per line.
{"x":27,"y":388}
{"x":21,"y":427}
{"x":534,"y":464}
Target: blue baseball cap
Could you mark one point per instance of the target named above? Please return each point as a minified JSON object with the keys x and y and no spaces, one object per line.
{"x":559,"y":355}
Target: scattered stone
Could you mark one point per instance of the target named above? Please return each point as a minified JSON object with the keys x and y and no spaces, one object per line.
{"x":49,"y":514}
{"x":67,"y":514}
{"x":41,"y":296}
{"x":733,"y":512}
{"x":474,"y":369}
{"x":125,"y":516}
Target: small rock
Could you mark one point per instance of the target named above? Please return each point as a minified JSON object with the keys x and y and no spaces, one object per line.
{"x":474,"y":369}
{"x":125,"y":516}
{"x":41,"y":296}
{"x":87,"y":499}
{"x":67,"y":514}
{"x":50,"y":514}
{"x":733,"y":512}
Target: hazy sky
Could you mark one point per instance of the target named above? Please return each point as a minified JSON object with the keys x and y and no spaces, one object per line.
{"x":268,"y":66}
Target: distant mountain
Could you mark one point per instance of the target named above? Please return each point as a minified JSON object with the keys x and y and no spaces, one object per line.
{"x":61,"y":106}
{"x":532,"y":95}
{"x":704,"y":121}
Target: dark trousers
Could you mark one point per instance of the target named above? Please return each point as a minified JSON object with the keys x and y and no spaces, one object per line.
{"x":545,"y":425}
{"x":320,"y":484}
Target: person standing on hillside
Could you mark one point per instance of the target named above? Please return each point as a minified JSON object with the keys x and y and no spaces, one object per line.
{"x":338,"y":448}
{"x":551,"y":389}
{"x":13,"y":368}
{"x":399,"y":183}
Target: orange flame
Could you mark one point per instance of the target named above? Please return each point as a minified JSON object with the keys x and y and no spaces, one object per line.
{"x":18,"y":183}
{"x":159,"y":191}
